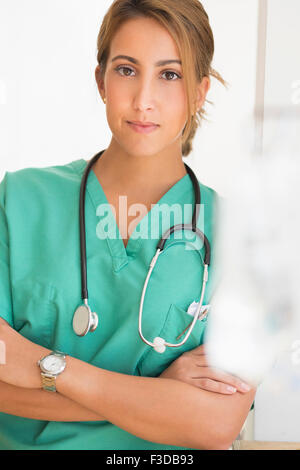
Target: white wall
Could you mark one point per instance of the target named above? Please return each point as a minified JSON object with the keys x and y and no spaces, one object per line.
{"x":277,"y":405}
{"x":51,"y":112}
{"x":222,"y":144}
{"x":50,"y":109}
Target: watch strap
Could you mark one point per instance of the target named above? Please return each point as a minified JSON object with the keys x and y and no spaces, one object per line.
{"x":48,"y":382}
{"x":58,"y":353}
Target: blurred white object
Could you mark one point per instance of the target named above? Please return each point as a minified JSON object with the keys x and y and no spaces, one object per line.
{"x":255,"y":313}
{"x":194,"y":307}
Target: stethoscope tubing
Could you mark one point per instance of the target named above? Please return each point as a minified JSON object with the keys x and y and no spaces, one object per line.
{"x":159,"y":249}
{"x":196,"y":315}
{"x":83,"y":263}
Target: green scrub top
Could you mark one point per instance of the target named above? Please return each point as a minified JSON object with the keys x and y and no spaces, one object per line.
{"x":41,"y":287}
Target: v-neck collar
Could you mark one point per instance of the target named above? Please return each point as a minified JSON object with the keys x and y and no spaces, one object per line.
{"x":122,"y":255}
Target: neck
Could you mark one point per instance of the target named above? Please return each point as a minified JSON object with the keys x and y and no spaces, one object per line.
{"x":125,"y":172}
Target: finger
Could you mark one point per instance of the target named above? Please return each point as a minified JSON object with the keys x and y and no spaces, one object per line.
{"x":198,"y":368}
{"x":216,"y":373}
{"x":221,"y":376}
{"x":213,"y":386}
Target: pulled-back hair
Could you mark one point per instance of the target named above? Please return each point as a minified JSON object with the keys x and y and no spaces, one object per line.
{"x":188,"y":24}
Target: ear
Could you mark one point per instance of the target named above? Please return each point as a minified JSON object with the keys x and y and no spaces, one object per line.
{"x":202,"y":90}
{"x":100,"y":81}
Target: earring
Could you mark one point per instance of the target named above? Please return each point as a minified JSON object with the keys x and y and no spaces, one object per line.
{"x":104,"y":100}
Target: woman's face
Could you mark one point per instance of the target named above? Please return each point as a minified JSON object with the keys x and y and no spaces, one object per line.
{"x":144,"y":91}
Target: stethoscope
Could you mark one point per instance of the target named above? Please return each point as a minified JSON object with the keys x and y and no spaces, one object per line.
{"x":84,"y":320}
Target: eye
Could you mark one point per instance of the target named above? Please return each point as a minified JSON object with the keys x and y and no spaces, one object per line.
{"x":122,"y":67}
{"x":173,"y":73}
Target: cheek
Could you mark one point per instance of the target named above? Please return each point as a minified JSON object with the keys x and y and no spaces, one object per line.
{"x":176,"y":114}
{"x":118,"y":109}
{"x":117,"y":94}
{"x":174,"y":104}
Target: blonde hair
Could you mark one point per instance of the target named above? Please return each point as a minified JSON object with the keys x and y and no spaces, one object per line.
{"x":188,"y":24}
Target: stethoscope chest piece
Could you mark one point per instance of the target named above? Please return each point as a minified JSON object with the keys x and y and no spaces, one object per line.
{"x":84,"y":320}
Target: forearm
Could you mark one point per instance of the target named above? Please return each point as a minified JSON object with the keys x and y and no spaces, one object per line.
{"x":41,"y":405}
{"x":159,"y":410}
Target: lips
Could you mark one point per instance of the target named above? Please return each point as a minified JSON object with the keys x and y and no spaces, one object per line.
{"x":144,"y":128}
{"x":142,"y":124}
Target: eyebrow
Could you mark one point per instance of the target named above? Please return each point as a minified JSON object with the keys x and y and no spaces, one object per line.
{"x":160,"y":63}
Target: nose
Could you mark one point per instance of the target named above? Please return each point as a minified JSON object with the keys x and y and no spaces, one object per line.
{"x":144,"y":96}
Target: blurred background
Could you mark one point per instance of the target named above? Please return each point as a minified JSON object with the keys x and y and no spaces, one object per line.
{"x":51,"y":114}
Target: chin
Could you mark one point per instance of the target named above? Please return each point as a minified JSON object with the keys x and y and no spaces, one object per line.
{"x":141,"y":150}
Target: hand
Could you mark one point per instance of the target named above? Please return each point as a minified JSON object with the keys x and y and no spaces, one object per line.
{"x":192,"y":368}
{"x":19,"y":366}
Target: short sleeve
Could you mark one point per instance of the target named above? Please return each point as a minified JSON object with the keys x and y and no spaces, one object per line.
{"x":5,"y":284}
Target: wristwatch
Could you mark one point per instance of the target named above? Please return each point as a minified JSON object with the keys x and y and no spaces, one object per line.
{"x":51,"y":366}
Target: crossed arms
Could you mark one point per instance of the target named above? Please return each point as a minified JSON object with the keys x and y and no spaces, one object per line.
{"x":171,"y":409}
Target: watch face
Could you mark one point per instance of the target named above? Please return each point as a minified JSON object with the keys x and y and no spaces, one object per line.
{"x":53,"y":364}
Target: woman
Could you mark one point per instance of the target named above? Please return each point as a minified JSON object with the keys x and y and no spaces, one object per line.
{"x":113,"y":390}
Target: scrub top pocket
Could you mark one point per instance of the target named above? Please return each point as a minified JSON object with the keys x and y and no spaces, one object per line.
{"x":177,"y":320}
{"x":35,"y":311}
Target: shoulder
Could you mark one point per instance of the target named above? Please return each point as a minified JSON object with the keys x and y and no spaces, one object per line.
{"x":212,"y":210}
{"x":35,"y":176}
{"x":40,"y":182}
{"x":210,"y":197}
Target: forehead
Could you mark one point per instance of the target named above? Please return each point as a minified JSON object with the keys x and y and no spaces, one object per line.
{"x":142,"y":38}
